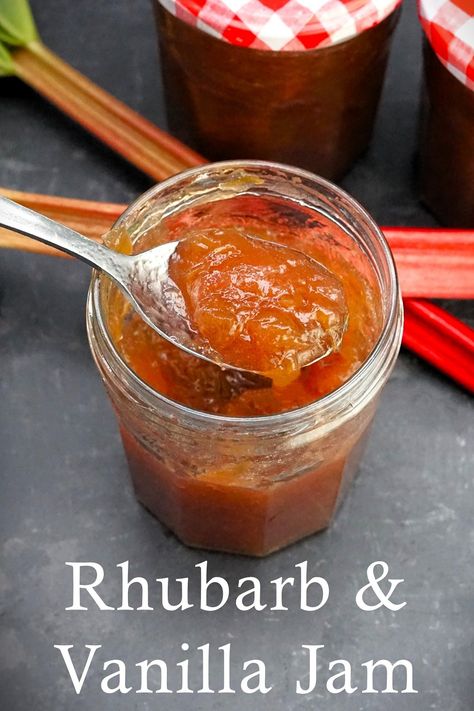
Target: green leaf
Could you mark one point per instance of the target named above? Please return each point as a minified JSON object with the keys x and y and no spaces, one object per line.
{"x":17,"y":26}
{"x":6,"y":63}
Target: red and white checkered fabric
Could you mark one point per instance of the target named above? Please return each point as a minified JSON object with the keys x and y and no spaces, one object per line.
{"x":449,"y":27}
{"x":291,"y":25}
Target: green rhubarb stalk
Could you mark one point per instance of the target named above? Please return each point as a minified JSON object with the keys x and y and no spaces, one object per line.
{"x":7,"y":68}
{"x":17,"y":26}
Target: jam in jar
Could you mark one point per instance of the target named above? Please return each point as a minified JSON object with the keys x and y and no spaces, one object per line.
{"x":223,"y":460}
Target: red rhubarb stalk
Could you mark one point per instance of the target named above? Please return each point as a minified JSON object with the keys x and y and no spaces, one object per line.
{"x":441,"y":339}
{"x":434,"y":263}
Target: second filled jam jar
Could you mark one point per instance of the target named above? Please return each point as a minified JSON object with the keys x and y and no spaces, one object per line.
{"x":224,"y":462}
{"x":447,"y":111}
{"x":297,"y":82}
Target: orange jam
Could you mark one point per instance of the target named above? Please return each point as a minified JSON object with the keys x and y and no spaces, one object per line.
{"x":258,"y":305}
{"x":203,"y":386}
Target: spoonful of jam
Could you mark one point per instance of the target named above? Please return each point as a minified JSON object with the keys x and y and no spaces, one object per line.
{"x":238,"y":301}
{"x":257,"y":305}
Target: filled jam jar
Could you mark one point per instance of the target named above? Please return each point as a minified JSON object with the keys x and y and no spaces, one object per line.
{"x":227,"y":461}
{"x":447,"y":111}
{"x":296,"y":82}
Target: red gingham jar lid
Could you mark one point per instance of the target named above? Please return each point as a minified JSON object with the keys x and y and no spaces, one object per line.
{"x":289,"y":25}
{"x":449,"y":27}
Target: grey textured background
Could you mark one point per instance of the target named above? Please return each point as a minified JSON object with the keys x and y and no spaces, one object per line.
{"x":65,"y":494}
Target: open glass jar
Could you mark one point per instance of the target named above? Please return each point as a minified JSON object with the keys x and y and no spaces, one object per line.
{"x":248,"y":484}
{"x":275,"y":79}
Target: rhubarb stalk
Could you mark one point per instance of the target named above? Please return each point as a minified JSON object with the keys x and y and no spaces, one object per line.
{"x":441,"y":339}
{"x":24,"y":55}
{"x":434,"y":263}
{"x":87,"y":217}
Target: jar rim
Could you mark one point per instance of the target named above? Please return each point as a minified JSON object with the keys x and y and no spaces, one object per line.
{"x":94,"y":310}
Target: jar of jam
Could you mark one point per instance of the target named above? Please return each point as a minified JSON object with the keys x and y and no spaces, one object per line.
{"x":275,"y":79}
{"x":223,"y":461}
{"x":447,"y":115}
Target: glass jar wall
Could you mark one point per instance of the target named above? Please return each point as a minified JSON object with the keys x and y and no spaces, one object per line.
{"x":248,"y":484}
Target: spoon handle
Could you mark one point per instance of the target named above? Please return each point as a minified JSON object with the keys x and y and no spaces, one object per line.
{"x":32,"y":224}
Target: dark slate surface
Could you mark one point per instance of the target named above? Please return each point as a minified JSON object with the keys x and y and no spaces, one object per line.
{"x":65,"y":492}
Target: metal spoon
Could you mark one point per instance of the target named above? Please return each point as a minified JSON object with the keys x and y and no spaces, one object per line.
{"x":143,"y":278}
